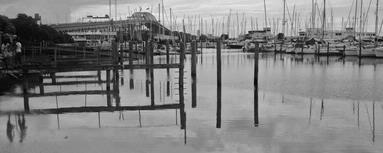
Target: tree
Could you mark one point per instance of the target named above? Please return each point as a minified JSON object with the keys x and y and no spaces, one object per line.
{"x":29,"y":31}
{"x":6,"y":25}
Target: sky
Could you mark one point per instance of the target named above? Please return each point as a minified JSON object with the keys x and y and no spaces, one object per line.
{"x":62,"y":11}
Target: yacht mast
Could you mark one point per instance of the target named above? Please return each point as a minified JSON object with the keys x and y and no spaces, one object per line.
{"x":284,"y":17}
{"x":264,"y":5}
{"x":376,"y":23}
{"x":355,"y":17}
{"x":324,"y":19}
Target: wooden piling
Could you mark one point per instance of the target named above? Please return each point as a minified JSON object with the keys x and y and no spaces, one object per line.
{"x":151,"y":74}
{"x":167,"y":70}
{"x":147,"y":61}
{"x":108,"y":98}
{"x":219,"y":84}
{"x":181,"y":86}
{"x":25,"y":91}
{"x":256,"y":60}
{"x":41,"y":85}
{"x":194,"y":74}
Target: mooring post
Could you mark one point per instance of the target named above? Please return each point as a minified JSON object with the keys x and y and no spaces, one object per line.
{"x":181,"y":86}
{"x":328,"y":48}
{"x":53,"y":77}
{"x":194,"y":74}
{"x":147,"y":71}
{"x":25,"y":91}
{"x":168,"y":69}
{"x":151,"y":73}
{"x":256,"y":60}
{"x":109,"y":103}
{"x":131,"y":81}
{"x":41,"y":86}
{"x":219,"y":84}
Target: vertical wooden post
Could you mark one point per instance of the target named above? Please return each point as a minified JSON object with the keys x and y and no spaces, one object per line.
{"x":181,"y":87}
{"x":53,"y":76}
{"x":256,"y":58}
{"x":114,"y":53}
{"x":167,"y":70}
{"x":25,"y":91}
{"x":194,"y":74}
{"x":151,"y":74}
{"x":131,"y":80}
{"x":219,"y":84}
{"x":116,"y":87}
{"x":328,"y":48}
{"x":41,"y":86}
{"x":99,"y":76}
{"x":130,"y":53}
{"x":108,"y":98}
{"x":147,"y":59}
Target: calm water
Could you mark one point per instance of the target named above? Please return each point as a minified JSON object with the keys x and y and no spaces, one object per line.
{"x":306,"y":104}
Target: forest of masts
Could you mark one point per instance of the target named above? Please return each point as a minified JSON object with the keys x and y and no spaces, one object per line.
{"x":236,"y":23}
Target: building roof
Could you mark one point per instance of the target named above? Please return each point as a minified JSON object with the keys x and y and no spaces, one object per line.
{"x":144,"y":15}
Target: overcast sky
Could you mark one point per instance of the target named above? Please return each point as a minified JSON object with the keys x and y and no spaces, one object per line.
{"x":60,"y":11}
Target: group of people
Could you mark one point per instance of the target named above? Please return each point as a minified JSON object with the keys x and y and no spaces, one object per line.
{"x":10,"y":53}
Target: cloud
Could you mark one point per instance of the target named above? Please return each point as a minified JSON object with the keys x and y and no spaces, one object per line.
{"x":53,"y":11}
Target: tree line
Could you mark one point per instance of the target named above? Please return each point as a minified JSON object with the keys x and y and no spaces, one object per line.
{"x":29,"y":32}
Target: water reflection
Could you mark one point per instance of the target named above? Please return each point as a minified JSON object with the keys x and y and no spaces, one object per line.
{"x":330,"y":100}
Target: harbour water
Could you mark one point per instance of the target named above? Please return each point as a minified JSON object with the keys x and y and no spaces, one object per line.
{"x":306,"y":104}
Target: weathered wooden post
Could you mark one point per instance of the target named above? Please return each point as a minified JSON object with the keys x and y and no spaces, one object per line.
{"x":181,"y":86}
{"x":151,"y":73}
{"x":147,"y":61}
{"x":53,"y":77}
{"x":25,"y":91}
{"x":131,"y":80}
{"x":219,"y":84}
{"x":256,"y":60}
{"x":328,"y":48}
{"x":194,"y":74}
{"x":108,"y":99}
{"x":41,"y":86}
{"x":181,"y":79}
{"x":168,"y":69}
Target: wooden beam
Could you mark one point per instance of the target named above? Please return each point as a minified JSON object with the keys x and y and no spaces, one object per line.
{"x":91,"y":109}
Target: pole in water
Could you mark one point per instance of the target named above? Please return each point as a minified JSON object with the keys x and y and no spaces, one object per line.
{"x":256,"y":57}
{"x":151,"y":74}
{"x":219,"y":84}
{"x":108,"y":98}
{"x":194,"y":74}
{"x":25,"y":91}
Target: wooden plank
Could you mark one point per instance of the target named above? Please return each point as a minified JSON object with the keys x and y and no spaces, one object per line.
{"x":64,"y":93}
{"x":73,"y":76}
{"x":73,"y":83}
{"x":91,"y":109}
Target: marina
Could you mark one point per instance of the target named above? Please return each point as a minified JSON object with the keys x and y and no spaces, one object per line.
{"x":154,"y":80}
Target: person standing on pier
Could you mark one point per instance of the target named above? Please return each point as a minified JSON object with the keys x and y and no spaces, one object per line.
{"x":18,"y":52}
